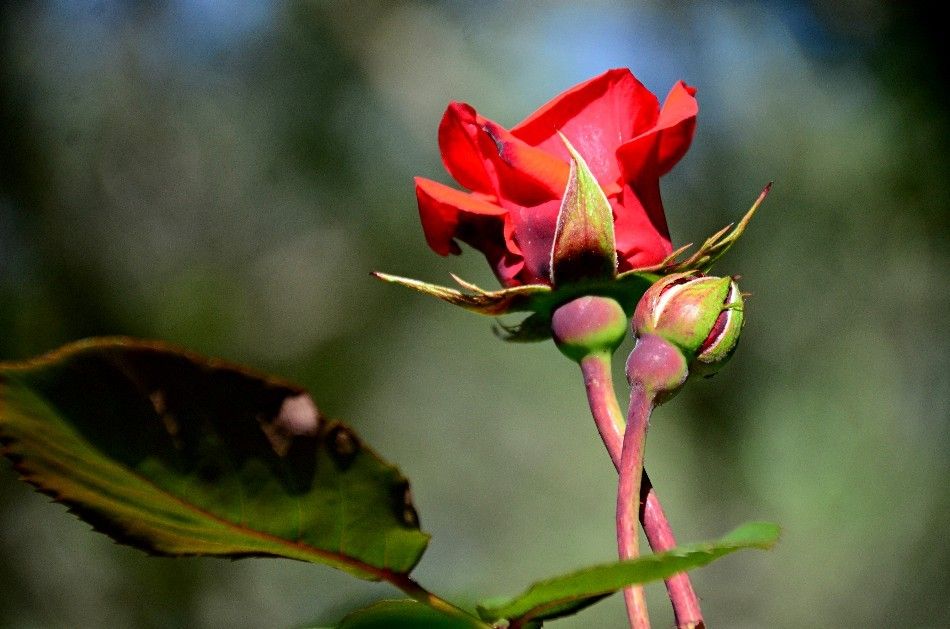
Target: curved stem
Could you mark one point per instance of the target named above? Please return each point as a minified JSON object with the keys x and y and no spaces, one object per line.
{"x":611,"y":425}
{"x":628,"y":498}
{"x":686,"y":609}
{"x":603,"y":403}
{"x":411,"y":587}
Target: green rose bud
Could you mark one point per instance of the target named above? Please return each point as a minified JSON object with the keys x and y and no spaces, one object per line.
{"x":700,"y":315}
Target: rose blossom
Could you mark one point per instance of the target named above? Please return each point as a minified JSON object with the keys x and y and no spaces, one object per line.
{"x":516,"y":178}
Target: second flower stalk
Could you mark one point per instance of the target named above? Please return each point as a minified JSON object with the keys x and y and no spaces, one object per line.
{"x":588,"y":330}
{"x":683,"y":322}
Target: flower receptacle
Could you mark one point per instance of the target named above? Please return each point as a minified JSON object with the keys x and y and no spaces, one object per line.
{"x":588,"y":325}
{"x":658,"y":366}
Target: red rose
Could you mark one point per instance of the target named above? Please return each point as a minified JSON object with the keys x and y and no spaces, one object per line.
{"x":517,"y":177}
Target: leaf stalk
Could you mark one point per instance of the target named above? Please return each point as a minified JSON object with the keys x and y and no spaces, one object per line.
{"x":412,"y":587}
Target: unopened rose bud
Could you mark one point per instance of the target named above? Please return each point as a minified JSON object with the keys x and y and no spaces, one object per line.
{"x":700,"y":315}
{"x":722,"y":340}
{"x":588,"y":325}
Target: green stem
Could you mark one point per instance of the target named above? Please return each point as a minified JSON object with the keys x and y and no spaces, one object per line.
{"x":611,"y":425}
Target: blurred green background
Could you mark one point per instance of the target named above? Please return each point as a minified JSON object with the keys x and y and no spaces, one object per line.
{"x":225,"y":175}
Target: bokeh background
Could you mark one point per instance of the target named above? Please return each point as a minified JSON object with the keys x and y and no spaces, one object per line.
{"x":225,"y":175}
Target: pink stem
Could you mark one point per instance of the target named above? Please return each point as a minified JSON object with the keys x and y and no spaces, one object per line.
{"x":679,"y":587}
{"x":628,"y":498}
{"x":603,"y":403}
{"x":611,"y":425}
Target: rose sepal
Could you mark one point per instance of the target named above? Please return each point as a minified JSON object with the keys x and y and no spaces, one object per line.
{"x":683,"y":308}
{"x":712,"y":248}
{"x":491,"y":303}
{"x":584,"y":247}
{"x":700,"y":316}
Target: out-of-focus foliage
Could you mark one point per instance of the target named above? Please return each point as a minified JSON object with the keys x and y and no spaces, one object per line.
{"x":226,"y":175}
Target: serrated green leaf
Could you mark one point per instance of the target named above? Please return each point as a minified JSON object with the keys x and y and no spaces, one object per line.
{"x":560,"y":610}
{"x":567,"y":594}
{"x":405,"y":614}
{"x":176,"y":454}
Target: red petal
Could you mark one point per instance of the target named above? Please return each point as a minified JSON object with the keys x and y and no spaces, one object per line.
{"x":509,"y":267}
{"x":444,"y":210}
{"x":643,"y":238}
{"x":678,"y":123}
{"x":533,"y":229}
{"x":526,"y":175}
{"x":643,"y":160}
{"x":597,"y":116}
{"x":661,"y":146}
{"x":458,"y":143}
{"x":448,"y":215}
{"x":483,"y":156}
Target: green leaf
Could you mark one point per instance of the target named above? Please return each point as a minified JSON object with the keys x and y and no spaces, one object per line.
{"x":556,"y":610}
{"x":584,"y":244}
{"x":568,"y":593}
{"x":405,"y":614}
{"x":177,"y":454}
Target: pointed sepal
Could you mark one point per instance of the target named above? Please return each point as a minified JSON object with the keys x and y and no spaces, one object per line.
{"x":492,"y":303}
{"x":584,"y":244}
{"x":714,"y":247}
{"x":697,"y":316}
